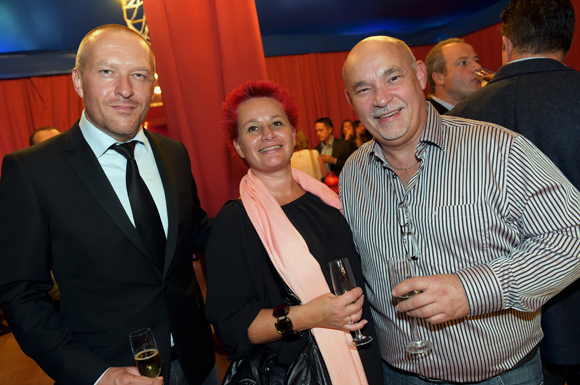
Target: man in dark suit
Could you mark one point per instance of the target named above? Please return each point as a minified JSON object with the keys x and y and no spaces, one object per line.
{"x":451,"y":67}
{"x":66,"y":205}
{"x":334,"y":151}
{"x":536,"y":95}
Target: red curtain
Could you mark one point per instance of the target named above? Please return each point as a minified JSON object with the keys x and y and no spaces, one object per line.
{"x":204,"y":49}
{"x":315,"y":82}
{"x":30,"y":103}
{"x":202,"y":53}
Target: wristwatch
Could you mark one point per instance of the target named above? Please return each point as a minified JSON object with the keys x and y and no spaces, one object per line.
{"x":284,"y":324}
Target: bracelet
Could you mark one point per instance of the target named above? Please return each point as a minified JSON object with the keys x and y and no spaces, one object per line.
{"x":284,"y":325}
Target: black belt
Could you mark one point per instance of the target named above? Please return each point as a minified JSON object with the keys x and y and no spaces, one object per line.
{"x":173,"y":354}
{"x":527,"y":358}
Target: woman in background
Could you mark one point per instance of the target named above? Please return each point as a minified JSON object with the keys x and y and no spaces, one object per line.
{"x":347,"y":130}
{"x":306,"y":160}
{"x":291,"y":221}
{"x":362,"y":136}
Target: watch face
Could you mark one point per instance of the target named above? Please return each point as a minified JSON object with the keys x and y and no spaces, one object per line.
{"x":284,"y":325}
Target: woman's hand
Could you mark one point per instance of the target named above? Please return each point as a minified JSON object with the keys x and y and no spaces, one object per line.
{"x":330,"y":311}
{"x":326,"y":311}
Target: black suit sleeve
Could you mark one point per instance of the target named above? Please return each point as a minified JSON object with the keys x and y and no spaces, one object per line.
{"x":342,"y":150}
{"x":25,"y":281}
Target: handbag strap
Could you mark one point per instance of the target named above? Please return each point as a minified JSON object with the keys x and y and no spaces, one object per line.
{"x":315,"y":166}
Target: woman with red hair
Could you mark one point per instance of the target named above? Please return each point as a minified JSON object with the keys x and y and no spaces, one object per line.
{"x":286,"y":226}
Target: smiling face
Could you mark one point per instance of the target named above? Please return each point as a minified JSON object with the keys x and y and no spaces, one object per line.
{"x":386,"y":91}
{"x":116,"y":83}
{"x":460,"y":81}
{"x":265,"y":137}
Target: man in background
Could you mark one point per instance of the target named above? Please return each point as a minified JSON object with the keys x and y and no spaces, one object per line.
{"x":334,"y":151}
{"x":113,"y":210}
{"x":490,"y":226}
{"x":536,"y":95}
{"x":451,"y":67}
{"x":41,"y":134}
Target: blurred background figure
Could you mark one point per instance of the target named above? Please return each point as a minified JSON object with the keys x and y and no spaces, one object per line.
{"x":306,"y":160}
{"x":42,"y":133}
{"x":451,"y":67}
{"x":362,"y":135}
{"x":334,"y":151}
{"x":355,"y":132}
{"x":347,"y":130}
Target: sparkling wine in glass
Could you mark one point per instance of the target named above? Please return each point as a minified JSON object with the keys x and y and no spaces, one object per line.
{"x":400,"y":270}
{"x":145,"y":352}
{"x":343,"y":281}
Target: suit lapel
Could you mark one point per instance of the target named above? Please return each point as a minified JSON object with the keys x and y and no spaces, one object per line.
{"x":87,"y":167}
{"x":165,"y":167}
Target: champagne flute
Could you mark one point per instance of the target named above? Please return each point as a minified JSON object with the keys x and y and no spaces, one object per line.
{"x":485,"y":74}
{"x":343,"y":281}
{"x":145,"y":352}
{"x":400,"y":270}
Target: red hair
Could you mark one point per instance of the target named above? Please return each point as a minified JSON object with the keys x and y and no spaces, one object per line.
{"x":250,"y":90}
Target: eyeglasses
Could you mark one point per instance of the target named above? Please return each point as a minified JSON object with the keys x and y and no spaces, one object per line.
{"x":407,"y":232}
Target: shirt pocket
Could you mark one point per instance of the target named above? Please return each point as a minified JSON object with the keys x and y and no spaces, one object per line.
{"x":459,"y":233}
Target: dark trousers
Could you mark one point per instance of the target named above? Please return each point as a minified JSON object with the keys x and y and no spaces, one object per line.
{"x":559,"y":374}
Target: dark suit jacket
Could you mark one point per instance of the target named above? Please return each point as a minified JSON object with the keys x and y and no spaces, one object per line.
{"x":438,"y":106}
{"x":540,"y":99}
{"x":58,"y":211}
{"x":341,"y":150}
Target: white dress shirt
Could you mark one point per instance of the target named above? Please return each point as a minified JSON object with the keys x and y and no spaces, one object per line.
{"x":115,"y":165}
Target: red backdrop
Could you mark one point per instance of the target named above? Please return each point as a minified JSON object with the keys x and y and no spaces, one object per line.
{"x":202,"y":54}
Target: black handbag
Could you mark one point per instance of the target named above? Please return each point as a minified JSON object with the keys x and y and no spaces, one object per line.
{"x":260,"y":366}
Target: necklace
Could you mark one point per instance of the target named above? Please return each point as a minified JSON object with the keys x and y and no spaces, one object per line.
{"x":402,"y":169}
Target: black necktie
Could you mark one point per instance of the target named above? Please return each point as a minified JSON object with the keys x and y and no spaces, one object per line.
{"x":145,"y":213}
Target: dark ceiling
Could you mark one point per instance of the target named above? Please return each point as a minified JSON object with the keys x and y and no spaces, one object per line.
{"x":40,"y":37}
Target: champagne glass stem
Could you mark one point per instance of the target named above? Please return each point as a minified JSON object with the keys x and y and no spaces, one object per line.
{"x":414,"y":330}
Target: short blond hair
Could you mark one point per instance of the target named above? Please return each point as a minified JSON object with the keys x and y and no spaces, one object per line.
{"x":84,"y":48}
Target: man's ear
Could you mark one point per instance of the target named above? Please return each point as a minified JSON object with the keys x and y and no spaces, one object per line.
{"x":77,"y":82}
{"x":348,"y":99}
{"x":438,"y":78}
{"x":507,"y":49}
{"x":421,"y":72}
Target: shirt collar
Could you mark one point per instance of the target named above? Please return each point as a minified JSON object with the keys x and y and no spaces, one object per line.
{"x":433,"y":134}
{"x":528,"y":58}
{"x":100,"y":142}
{"x":329,"y":143}
{"x":449,"y":106}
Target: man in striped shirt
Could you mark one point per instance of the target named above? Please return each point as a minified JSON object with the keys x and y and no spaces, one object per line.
{"x":491,"y":225}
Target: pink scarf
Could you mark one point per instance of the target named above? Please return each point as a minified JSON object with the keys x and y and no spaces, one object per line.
{"x":291,"y":257}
